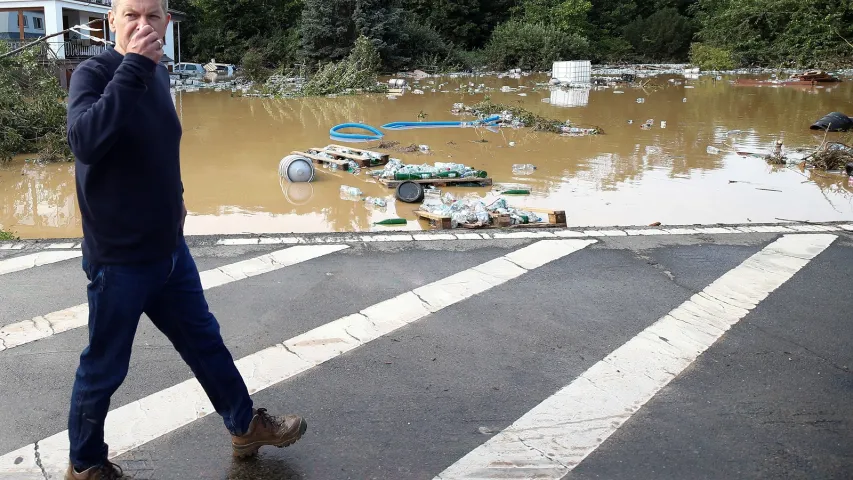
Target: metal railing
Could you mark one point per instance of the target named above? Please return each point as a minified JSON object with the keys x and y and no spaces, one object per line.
{"x":82,"y":49}
{"x":41,"y":48}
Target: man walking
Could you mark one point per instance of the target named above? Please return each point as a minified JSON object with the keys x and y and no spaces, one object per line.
{"x":125,"y":135}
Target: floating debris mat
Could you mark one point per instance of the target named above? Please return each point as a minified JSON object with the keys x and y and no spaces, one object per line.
{"x":439,"y":182}
{"x":473,"y":213}
{"x":439,"y":174}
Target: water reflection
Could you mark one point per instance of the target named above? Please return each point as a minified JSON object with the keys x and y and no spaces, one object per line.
{"x":232,"y":147}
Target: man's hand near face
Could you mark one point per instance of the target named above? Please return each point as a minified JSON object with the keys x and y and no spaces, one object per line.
{"x":146,"y":42}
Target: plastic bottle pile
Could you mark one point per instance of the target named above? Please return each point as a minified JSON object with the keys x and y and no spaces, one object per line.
{"x":472,"y":210}
{"x":397,"y":170}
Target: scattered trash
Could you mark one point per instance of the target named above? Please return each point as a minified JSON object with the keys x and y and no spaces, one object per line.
{"x":396,"y":170}
{"x":630,"y":122}
{"x":712,"y":150}
{"x":831,"y":156}
{"x":834,"y":122}
{"x":296,"y":169}
{"x":472,"y":211}
{"x":393,"y":221}
{"x":618,"y":92}
{"x":656,"y":224}
{"x":347,"y":191}
{"x":424,"y":148}
{"x":522,"y":94}
{"x":410,"y":192}
{"x":526,"y":169}
{"x":378,"y":202}
{"x":511,"y":144}
{"x":663,"y":124}
{"x":516,"y":192}
{"x":849,"y":169}
{"x":578,"y":132}
{"x":641,"y":100}
{"x":417,"y":92}
{"x":684,"y":100}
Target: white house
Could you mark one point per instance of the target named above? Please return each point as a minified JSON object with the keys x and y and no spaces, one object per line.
{"x":22,"y":21}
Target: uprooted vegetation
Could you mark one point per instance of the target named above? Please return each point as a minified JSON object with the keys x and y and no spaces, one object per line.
{"x":526,"y":117}
{"x":32,"y":112}
{"x":355,"y":74}
{"x":831,"y":156}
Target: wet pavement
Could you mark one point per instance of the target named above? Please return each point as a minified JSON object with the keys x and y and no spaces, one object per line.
{"x":768,"y":399}
{"x":628,"y":176}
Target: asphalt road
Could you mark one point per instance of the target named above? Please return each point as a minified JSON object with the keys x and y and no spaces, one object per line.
{"x":450,"y":376}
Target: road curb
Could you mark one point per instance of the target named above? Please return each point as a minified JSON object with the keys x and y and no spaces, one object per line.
{"x":456,"y":235}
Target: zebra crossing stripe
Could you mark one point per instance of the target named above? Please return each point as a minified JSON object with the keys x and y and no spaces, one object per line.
{"x":149,"y":418}
{"x":558,"y":434}
{"x":44,"y":326}
{"x":25,"y":262}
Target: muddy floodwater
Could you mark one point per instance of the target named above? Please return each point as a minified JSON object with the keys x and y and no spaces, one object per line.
{"x":628,"y":176}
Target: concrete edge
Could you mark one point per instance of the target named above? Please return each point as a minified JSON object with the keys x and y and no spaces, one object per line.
{"x":461,"y":234}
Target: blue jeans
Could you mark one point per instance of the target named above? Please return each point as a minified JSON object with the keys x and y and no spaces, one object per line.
{"x":169,"y":291}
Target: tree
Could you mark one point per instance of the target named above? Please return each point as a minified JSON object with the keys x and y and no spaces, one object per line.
{"x":665,"y":35}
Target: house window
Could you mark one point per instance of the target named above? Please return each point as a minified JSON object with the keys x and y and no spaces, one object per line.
{"x":26,"y":22}
{"x":38,"y":23}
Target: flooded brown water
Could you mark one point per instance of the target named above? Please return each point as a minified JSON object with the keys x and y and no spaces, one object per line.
{"x":628,"y":176}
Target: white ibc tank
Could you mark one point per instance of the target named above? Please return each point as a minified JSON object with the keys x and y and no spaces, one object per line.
{"x":573,"y":72}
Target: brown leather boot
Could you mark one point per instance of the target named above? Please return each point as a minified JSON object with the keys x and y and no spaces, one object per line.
{"x":107,"y":471}
{"x":266,"y":429}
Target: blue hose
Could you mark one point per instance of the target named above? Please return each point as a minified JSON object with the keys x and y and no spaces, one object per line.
{"x":406,"y":125}
{"x":335,"y":132}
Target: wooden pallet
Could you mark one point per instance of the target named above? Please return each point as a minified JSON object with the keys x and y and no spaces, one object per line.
{"x":383,"y":156}
{"x":361,"y":161}
{"x":438,"y":182}
{"x":556,"y":219}
{"x":343,"y":164}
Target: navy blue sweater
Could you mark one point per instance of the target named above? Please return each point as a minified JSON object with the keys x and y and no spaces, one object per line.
{"x":125,"y":135}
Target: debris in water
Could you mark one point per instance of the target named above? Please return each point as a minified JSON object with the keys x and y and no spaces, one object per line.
{"x":712,"y":150}
{"x":511,"y":144}
{"x":641,"y":100}
{"x":393,"y":221}
{"x":526,"y":169}
{"x":396,"y":170}
{"x":831,"y":156}
{"x":656,"y":224}
{"x":424,"y":148}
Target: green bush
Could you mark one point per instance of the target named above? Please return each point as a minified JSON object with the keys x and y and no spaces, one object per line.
{"x":516,"y":44}
{"x":32,"y":111}
{"x":711,"y":58}
{"x":253,"y":66}
{"x":4,"y":235}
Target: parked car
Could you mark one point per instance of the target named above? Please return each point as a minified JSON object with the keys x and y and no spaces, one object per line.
{"x":189,"y":69}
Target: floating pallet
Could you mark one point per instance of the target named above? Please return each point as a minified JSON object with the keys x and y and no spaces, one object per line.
{"x":343,"y":164}
{"x":363,"y":162}
{"x":556,"y":219}
{"x":438,"y":182}
{"x":383,"y":156}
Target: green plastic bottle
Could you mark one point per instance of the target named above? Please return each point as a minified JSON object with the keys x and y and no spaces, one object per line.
{"x":412,"y":176}
{"x":516,"y":192}
{"x":393,"y":221}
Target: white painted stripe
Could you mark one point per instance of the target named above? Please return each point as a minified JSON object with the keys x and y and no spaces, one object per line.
{"x":569,"y":234}
{"x":239,"y":241}
{"x":558,"y":434}
{"x":683,"y":231}
{"x":605,"y":233}
{"x":53,"y":323}
{"x":433,"y":237}
{"x":518,"y":235}
{"x":144,"y":420}
{"x":387,"y":238}
{"x":60,"y":246}
{"x":24,"y":262}
{"x":469,"y":236}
